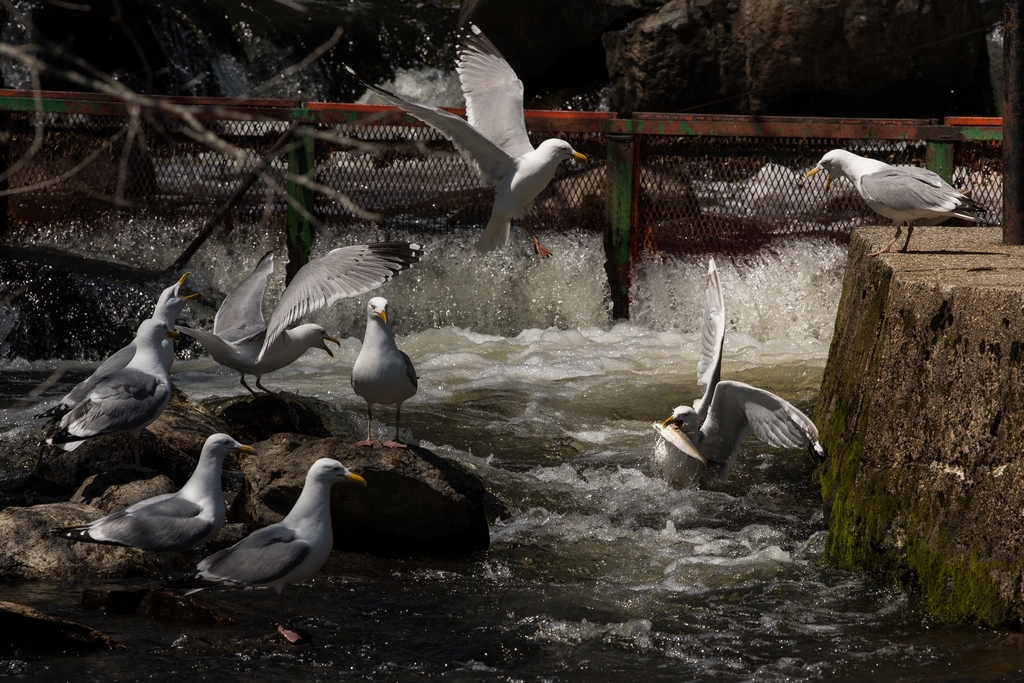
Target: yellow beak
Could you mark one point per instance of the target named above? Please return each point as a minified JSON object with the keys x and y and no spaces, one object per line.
{"x":245,"y":449}
{"x":353,"y":477}
{"x":325,"y":347}
{"x":580,"y":156}
{"x":667,"y":422}
{"x":174,"y":334}
{"x":382,"y":315}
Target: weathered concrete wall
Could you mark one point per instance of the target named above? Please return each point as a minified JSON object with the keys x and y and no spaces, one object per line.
{"x":921,"y":412}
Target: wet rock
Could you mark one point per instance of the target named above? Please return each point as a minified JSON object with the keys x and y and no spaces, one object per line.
{"x":414,"y":501}
{"x":160,"y":604}
{"x":818,"y":58}
{"x":28,"y":551}
{"x":257,"y":418}
{"x":27,"y":630}
{"x":119,"y":489}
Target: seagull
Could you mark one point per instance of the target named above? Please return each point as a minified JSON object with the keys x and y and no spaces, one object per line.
{"x":167,"y":524}
{"x":728,"y":412}
{"x":243,"y":341}
{"x":126,"y":400}
{"x":902,"y":194}
{"x":284,"y":553}
{"x":494,"y":139}
{"x":168,"y":308}
{"x":382,"y":372}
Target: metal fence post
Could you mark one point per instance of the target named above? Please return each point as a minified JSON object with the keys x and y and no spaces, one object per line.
{"x":1013,"y":123}
{"x":939,"y":157}
{"x":621,"y":170}
{"x":300,"y":232}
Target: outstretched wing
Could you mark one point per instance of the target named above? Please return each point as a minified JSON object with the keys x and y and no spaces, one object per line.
{"x":712,"y":338}
{"x":241,"y":314}
{"x":341,"y":273}
{"x":490,"y":160}
{"x":494,"y":95}
{"x":738,"y":410}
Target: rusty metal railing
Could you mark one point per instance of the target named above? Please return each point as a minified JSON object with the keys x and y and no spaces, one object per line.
{"x":657,"y":182}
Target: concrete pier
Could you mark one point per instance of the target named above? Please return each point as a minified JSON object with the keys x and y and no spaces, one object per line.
{"x":921,"y":415}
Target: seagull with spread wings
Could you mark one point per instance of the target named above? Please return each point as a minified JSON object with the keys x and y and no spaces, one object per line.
{"x":494,"y":138}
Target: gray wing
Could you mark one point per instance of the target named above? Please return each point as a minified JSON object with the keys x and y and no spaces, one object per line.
{"x":494,"y":94}
{"x":341,"y":273}
{"x":168,"y":524}
{"x":712,"y":339}
{"x":119,"y":402}
{"x":490,"y":159}
{"x":739,"y":409}
{"x":410,"y":371}
{"x":260,"y":558}
{"x":908,"y":188}
{"x":241,"y":314}
{"x":81,"y":391}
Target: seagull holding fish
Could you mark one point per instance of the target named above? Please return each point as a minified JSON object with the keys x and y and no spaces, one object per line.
{"x":708,"y":435}
{"x":242,"y":340}
{"x":168,"y":307}
{"x":494,"y":139}
{"x":382,"y":373}
{"x":126,"y":400}
{"x":165,"y":525}
{"x":284,"y":553}
{"x":902,"y":194}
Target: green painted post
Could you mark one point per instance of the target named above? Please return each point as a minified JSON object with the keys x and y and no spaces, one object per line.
{"x":300,"y":233}
{"x":620,"y":212}
{"x":939,"y":158}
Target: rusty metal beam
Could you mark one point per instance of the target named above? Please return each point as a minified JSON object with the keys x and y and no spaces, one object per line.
{"x":1013,"y":122}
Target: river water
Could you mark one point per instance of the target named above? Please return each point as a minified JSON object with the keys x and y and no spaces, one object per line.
{"x":599,"y":571}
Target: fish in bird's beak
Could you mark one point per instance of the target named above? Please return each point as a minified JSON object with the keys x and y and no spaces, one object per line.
{"x":675,"y":436}
{"x":355,"y":478}
{"x":578,"y":155}
{"x":325,"y":347}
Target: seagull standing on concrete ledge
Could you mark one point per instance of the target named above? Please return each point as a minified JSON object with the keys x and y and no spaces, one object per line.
{"x":167,"y":524}
{"x":494,"y":140}
{"x":382,"y":372}
{"x":241,"y":340}
{"x":902,"y":194}
{"x":284,"y":553}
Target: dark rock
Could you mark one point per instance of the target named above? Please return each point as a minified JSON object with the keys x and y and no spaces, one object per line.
{"x":257,"y":418}
{"x":28,"y":551}
{"x":414,"y":501}
{"x":120,"y":489}
{"x":922,"y":58}
{"x":160,"y":604}
{"x":552,"y":46}
{"x":27,"y":630}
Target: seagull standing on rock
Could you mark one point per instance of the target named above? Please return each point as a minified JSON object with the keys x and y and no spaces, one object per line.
{"x":284,"y":553}
{"x":168,"y":308}
{"x":167,"y":524}
{"x":127,"y":400}
{"x":243,"y":341}
{"x":494,"y":139}
{"x":382,"y":372}
{"x":902,"y":194}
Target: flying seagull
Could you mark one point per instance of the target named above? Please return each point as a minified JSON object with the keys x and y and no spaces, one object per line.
{"x":168,"y":308}
{"x":284,"y":553}
{"x":243,"y":341}
{"x":728,"y":412}
{"x":127,"y":400}
{"x":494,"y":139}
{"x":165,"y":525}
{"x":902,"y":194}
{"x":382,"y":372}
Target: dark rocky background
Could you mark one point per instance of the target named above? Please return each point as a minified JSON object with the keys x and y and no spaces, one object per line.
{"x":900,"y":58}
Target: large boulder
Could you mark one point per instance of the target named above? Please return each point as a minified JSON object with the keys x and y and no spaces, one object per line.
{"x":414,"y":501}
{"x":257,"y":418}
{"x":120,"y":489}
{"x":28,"y":551}
{"x":913,"y":58}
